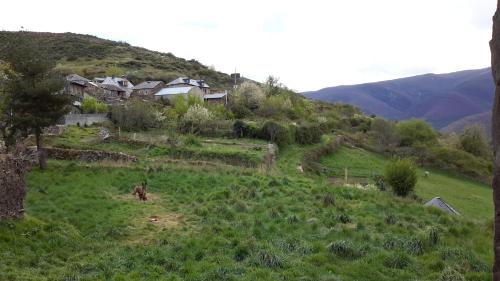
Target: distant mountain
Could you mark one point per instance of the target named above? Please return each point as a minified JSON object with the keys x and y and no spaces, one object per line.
{"x":91,"y":57}
{"x":441,"y":99}
{"x":482,"y":119}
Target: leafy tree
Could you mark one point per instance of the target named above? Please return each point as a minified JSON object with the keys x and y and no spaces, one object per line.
{"x":385,"y":132}
{"x":92,"y":105}
{"x":401,"y":176}
{"x":272,"y":86}
{"x":246,"y":98}
{"x":195,"y":117}
{"x":32,"y":93}
{"x":473,"y":140}
{"x":415,"y":131}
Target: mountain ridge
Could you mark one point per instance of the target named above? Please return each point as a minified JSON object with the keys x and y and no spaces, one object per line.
{"x":438,"y":98}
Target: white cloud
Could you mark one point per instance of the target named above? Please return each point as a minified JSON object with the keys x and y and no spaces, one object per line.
{"x":308,"y":44}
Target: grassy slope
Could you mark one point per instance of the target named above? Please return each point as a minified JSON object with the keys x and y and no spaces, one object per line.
{"x":228,"y":224}
{"x":91,"y":56}
{"x":470,"y":198}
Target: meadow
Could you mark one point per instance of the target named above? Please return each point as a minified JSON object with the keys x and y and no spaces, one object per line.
{"x":214,"y":222}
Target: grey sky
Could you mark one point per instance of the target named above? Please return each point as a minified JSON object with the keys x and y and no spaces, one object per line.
{"x":307,"y":44}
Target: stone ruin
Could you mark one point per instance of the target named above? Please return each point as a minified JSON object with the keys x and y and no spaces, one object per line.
{"x":13,"y":167}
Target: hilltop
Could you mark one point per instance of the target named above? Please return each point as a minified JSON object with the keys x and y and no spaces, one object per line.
{"x":440,"y":99}
{"x":91,"y":56}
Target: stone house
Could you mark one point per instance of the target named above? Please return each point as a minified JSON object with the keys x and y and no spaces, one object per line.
{"x":216,"y":98}
{"x":147,"y":89}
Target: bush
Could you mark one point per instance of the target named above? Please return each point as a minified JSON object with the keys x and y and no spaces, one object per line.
{"x":192,"y":140}
{"x":246,"y":99}
{"x":276,"y":133}
{"x":135,"y":116}
{"x":455,"y":160}
{"x":416,"y":131}
{"x":308,"y":134}
{"x":397,"y":260}
{"x":92,"y":105}
{"x":343,"y":249}
{"x":195,"y":118}
{"x":473,"y":140}
{"x":401,"y":175}
{"x":267,"y":258}
{"x":449,"y":274}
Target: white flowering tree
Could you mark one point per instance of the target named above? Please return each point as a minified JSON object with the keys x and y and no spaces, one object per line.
{"x":195,"y":118}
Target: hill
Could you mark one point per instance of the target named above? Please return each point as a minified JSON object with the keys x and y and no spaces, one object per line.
{"x":212,"y":221}
{"x":438,"y":98}
{"x":91,"y":56}
{"x":482,"y":119}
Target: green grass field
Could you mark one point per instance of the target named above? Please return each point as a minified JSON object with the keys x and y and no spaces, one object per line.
{"x":472,"y":199}
{"x":212,"y":223}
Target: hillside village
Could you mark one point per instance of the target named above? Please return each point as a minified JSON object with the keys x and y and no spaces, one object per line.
{"x":114,"y":90}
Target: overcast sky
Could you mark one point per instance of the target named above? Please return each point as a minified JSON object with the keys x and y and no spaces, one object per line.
{"x":307,"y":44}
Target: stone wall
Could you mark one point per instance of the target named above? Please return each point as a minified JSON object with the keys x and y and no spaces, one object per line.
{"x":12,"y":186}
{"x":83,"y":119}
{"x":88,"y":155}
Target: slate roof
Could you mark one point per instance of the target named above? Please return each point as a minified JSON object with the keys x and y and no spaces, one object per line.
{"x":77,"y":79}
{"x":113,"y":87}
{"x":189,"y":81}
{"x":174,"y":91}
{"x":214,"y":96}
{"x":147,"y":85}
{"x":439,"y":203}
{"x":115,"y":80}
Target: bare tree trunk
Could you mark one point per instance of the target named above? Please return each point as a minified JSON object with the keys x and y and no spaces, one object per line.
{"x":42,"y":157}
{"x":495,"y":68}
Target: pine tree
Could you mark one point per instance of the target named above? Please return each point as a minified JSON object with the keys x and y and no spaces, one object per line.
{"x":32,"y":92}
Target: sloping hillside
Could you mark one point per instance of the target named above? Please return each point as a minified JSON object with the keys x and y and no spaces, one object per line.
{"x":91,"y":56}
{"x":482,"y":119}
{"x":438,"y":98}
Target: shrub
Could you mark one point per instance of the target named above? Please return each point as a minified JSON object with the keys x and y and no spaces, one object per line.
{"x":473,"y":140}
{"x":192,"y":140}
{"x":240,"y":129}
{"x":455,"y":160}
{"x":343,"y":249}
{"x":267,"y":258}
{"x":401,"y":175}
{"x":135,"y":116}
{"x":276,"y":133}
{"x":434,"y":236}
{"x":344,"y":218}
{"x":245,"y":99}
{"x":328,"y":200}
{"x":384,"y":132}
{"x":416,"y":131}
{"x":275,"y":106}
{"x":196,"y":117}
{"x":92,"y":105}
{"x":308,"y":134}
{"x":449,"y":274}
{"x":397,"y":260}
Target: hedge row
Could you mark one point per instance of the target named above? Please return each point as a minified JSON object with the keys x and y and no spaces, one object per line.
{"x":229,"y":157}
{"x":311,"y":159}
{"x":280,"y":134}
